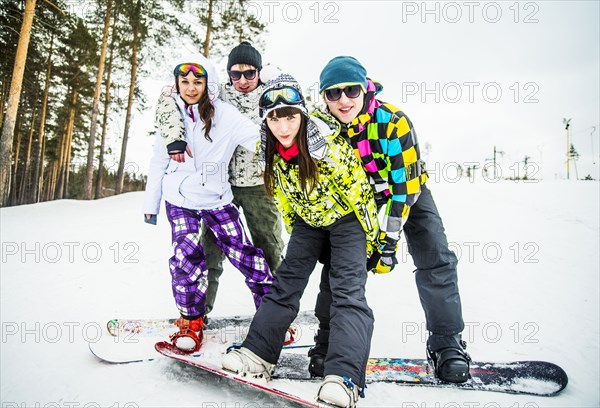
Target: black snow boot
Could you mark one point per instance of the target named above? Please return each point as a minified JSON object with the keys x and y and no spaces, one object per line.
{"x":317,"y":354}
{"x":448,"y":358}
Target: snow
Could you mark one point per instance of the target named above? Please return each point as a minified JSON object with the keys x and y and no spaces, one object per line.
{"x":528,"y":271}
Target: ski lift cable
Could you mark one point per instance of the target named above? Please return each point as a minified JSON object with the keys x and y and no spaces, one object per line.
{"x":585,"y":130}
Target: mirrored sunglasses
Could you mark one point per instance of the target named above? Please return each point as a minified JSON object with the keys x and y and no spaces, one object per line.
{"x":286,"y":95}
{"x":184,"y":69}
{"x":334,"y":94}
{"x":249,"y":74}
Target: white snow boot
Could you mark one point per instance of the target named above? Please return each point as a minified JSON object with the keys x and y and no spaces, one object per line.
{"x":247,"y":364}
{"x":338,"y":391}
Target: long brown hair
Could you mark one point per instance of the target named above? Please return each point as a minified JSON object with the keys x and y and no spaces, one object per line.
{"x":308,"y":170}
{"x":207,"y":111}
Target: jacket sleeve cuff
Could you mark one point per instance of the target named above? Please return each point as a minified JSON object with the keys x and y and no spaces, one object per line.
{"x":177,"y":147}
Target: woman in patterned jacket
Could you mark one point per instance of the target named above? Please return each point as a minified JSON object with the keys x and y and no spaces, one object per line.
{"x":325,"y":197}
{"x":198,"y":191}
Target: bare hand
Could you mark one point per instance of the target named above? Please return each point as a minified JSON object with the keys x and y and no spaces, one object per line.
{"x":180,"y":157}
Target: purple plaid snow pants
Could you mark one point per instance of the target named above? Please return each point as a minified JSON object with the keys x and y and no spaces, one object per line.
{"x":188,"y":264}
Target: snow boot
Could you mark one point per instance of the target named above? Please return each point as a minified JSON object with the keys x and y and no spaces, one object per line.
{"x":245,"y":363}
{"x":338,"y":391}
{"x":447,"y":357}
{"x":190,"y":334}
{"x":317,"y":354}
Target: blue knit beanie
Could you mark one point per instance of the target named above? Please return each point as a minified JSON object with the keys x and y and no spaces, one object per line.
{"x":343,"y":70}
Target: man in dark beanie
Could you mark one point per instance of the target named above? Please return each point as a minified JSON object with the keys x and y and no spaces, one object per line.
{"x":262,"y":218}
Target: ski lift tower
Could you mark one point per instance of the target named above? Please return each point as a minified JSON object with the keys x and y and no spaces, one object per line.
{"x":567,"y":123}
{"x":496,"y":152}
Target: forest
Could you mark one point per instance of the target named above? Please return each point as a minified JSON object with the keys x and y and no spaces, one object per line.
{"x":70,"y":73}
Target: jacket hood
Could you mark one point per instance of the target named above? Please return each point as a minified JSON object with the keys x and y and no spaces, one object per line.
{"x":373,"y":88}
{"x":212,"y":79}
{"x":317,"y":146}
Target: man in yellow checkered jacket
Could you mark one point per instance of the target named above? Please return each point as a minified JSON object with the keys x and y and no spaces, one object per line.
{"x":383,"y":138}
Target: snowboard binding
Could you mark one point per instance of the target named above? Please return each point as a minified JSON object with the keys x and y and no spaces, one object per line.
{"x":318,"y":353}
{"x":289,"y":336}
{"x":190,"y":335}
{"x":448,"y":359}
{"x":246,"y":363}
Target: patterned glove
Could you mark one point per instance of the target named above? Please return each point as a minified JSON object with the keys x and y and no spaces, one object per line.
{"x":387,"y":259}
{"x":384,"y":259}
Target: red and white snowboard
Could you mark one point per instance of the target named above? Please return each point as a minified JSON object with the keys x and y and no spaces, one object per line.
{"x":214,"y":367}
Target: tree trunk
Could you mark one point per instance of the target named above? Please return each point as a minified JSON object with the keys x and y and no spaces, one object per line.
{"x":8,"y":126}
{"x":38,"y":174}
{"x":99,"y":175}
{"x":17,"y":149}
{"x":136,"y":41}
{"x":3,"y":95}
{"x":59,"y":160}
{"x":26,"y":176}
{"x":65,"y":150}
{"x":209,"y":19}
{"x":41,"y":167}
{"x":89,"y":171}
{"x":59,"y":182}
{"x":70,"y":128}
{"x":52,"y":179}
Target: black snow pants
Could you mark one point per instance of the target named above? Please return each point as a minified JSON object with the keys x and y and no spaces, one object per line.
{"x":350,"y":318}
{"x":436,"y":276}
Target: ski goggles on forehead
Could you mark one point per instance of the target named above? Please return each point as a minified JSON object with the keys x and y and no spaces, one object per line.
{"x":334,"y":94}
{"x":286,"y":95}
{"x":184,"y":69}
{"x":249,"y":74}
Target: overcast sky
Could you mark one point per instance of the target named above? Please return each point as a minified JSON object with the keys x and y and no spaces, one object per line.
{"x":471,"y":75}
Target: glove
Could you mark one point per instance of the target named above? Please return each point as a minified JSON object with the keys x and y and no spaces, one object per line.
{"x":177,"y":149}
{"x":151,"y":220}
{"x":387,"y":260}
{"x":384,"y":259}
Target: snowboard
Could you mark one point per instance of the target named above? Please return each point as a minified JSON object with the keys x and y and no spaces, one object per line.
{"x":538,"y":378}
{"x":213,"y":366}
{"x":157,"y":327}
{"x":132,"y":340}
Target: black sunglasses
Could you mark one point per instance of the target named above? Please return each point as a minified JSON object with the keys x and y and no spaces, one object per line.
{"x":248,"y":74}
{"x":334,"y":94}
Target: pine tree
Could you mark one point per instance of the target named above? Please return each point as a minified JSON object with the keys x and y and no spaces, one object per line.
{"x":89,"y":174}
{"x":8,"y":123}
{"x":226,"y":24}
{"x":150,"y":25}
{"x":574,"y":157}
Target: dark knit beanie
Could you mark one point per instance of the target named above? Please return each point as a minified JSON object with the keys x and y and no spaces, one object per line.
{"x":244,"y":53}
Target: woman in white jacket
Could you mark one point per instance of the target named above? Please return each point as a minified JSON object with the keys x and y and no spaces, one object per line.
{"x":197,"y":190}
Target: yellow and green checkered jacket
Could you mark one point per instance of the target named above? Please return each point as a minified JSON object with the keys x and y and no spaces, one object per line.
{"x":386,"y":143}
{"x":343,"y":188}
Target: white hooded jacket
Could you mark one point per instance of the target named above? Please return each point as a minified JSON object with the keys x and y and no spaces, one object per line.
{"x":201,"y":182}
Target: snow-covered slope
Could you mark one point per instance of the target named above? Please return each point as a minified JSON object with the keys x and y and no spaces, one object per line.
{"x":529,"y":263}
